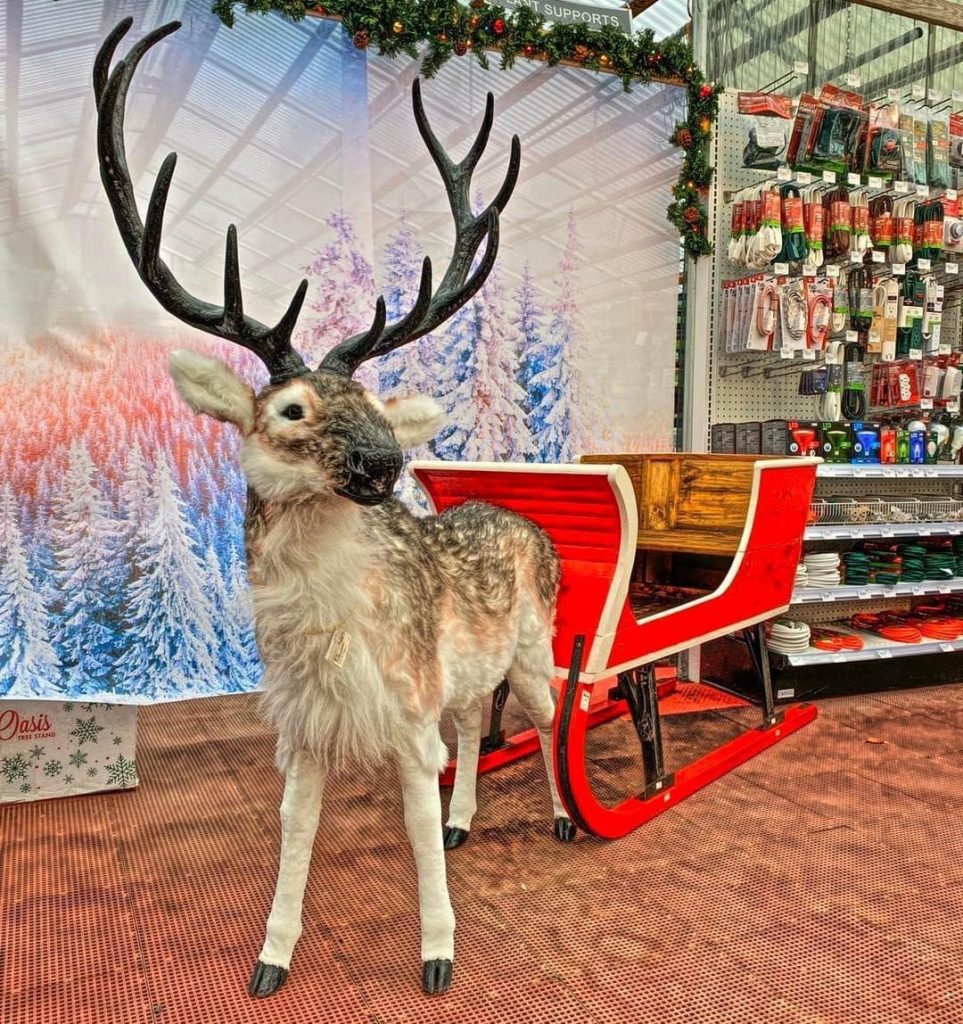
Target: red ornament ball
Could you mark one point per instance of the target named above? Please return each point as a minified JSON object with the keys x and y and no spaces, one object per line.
{"x":690,"y":215}
{"x":461,"y":48}
{"x":528,"y":50}
{"x":361,"y":39}
{"x":498,"y":26}
{"x":655,"y":58}
{"x":320,"y":9}
{"x":705,"y":91}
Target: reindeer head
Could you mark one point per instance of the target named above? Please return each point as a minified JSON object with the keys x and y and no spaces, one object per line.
{"x":310,"y":432}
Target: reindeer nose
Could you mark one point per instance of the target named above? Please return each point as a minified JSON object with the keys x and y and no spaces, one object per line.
{"x":375,"y":464}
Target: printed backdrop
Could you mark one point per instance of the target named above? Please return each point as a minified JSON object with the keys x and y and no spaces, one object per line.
{"x":121,"y":558}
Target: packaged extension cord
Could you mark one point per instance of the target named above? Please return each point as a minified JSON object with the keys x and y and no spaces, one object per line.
{"x":938,"y":151}
{"x":766,"y":118}
{"x":883,"y":154}
{"x":956,"y":140}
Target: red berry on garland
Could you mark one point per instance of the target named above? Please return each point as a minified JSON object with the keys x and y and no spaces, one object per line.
{"x":528,"y":50}
{"x":361,"y":39}
{"x":461,"y":48}
{"x":706,"y":91}
{"x":320,"y":9}
{"x":498,"y":26}
{"x":655,"y":58}
{"x":690,"y":215}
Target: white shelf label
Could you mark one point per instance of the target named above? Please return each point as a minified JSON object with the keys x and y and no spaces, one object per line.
{"x":952,"y":194}
{"x":945,"y":350}
{"x":883,"y":653}
{"x":800,"y":67}
{"x":892,"y":95}
{"x":786,"y":352}
{"x":804,"y":178}
{"x":887,"y":533}
{"x":923,"y":190}
{"x":945,"y":589}
{"x":856,"y":257}
{"x":889,"y":591}
{"x":808,"y":270}
{"x":864,"y":595}
{"x":919,"y":92}
{"x":957,"y":96}
{"x":919,"y":591}
{"x":952,"y":268}
{"x":853,"y":80}
{"x":853,"y":179}
{"x":874,"y":182}
{"x":924,"y":266}
{"x":829,"y":177}
{"x":809,"y":355}
{"x":926,"y":403}
{"x":852,"y":336}
{"x":953,"y":406}
{"x":783,"y":173}
{"x":879,"y":256}
{"x":902,"y":187}
{"x":916,"y":353}
{"x":832,"y":271}
{"x":947,"y":648}
{"x":898,"y":269}
{"x":780,"y":269}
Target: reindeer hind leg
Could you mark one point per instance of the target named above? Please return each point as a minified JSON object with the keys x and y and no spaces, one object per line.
{"x":530,"y":678}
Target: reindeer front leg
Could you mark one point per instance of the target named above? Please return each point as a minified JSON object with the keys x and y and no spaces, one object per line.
{"x":300,"y":809}
{"x":422,"y":800}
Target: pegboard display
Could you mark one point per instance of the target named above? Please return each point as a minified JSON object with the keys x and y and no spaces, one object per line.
{"x":758,"y":386}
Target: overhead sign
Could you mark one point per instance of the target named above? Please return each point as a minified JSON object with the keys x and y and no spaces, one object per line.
{"x":578,"y":14}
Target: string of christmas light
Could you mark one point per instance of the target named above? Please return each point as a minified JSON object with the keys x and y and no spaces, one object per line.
{"x":449,"y":29}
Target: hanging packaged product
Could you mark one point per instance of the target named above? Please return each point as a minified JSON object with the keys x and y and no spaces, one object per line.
{"x":813,"y":221}
{"x":909,"y":339}
{"x":766,"y":122}
{"x":793,"y":310}
{"x":834,"y":136}
{"x":938,"y":151}
{"x":955,"y":147}
{"x":765,"y":245}
{"x":819,"y":306}
{"x":953,"y":235}
{"x":920,"y":134}
{"x":737,"y":223}
{"x":903,"y":214}
{"x":907,"y":153}
{"x":838,"y":222}
{"x":930,"y":218}
{"x":808,"y":111}
{"x":794,"y":247}
{"x":859,"y":240}
{"x":764,"y":321}
{"x":881,"y":222}
{"x":884,"y":143}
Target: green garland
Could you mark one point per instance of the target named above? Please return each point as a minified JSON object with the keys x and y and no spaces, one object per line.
{"x":451,"y":29}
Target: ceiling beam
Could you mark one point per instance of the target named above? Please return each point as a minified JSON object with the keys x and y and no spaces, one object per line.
{"x":934,"y":12}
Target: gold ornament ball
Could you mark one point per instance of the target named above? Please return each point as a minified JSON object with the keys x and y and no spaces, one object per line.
{"x":605,"y":60}
{"x":398,"y":27}
{"x":705,"y":124}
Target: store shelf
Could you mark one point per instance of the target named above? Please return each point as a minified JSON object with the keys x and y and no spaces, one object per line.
{"x":835,"y":471}
{"x":875,"y":649}
{"x":854,"y":531}
{"x":817,"y":595}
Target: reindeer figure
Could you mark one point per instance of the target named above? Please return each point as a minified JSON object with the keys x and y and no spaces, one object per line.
{"x":370,"y":621}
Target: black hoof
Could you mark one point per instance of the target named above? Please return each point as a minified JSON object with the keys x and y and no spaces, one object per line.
{"x":454,"y":836}
{"x":564,"y":830}
{"x":266,"y":980}
{"x":436,"y":976}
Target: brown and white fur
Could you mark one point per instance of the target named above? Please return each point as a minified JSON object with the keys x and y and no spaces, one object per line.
{"x":438,"y":610}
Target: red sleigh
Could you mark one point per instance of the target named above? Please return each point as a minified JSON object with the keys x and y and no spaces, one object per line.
{"x":623,"y":526}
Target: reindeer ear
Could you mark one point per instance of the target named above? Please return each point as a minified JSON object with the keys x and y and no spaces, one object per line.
{"x":210,"y":386}
{"x":414,"y":420}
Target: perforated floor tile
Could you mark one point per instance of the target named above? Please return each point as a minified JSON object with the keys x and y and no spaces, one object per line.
{"x":820,"y":883}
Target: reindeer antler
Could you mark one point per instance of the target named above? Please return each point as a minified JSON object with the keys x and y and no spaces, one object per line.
{"x":142,"y":238}
{"x":456,"y":288}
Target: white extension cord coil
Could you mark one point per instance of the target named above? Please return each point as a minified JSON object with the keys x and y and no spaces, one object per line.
{"x":789,"y":637}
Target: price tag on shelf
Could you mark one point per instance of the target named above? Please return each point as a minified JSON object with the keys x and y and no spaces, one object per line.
{"x":930,"y":472}
{"x":853,"y":80}
{"x":919,"y":591}
{"x":853,"y":179}
{"x":874,"y":182}
{"x":945,"y":590}
{"x":926,"y":404}
{"x":783,"y":173}
{"x":916,"y":353}
{"x":838,"y":658}
{"x":832,"y":271}
{"x":952,"y":194}
{"x":786,"y":352}
{"x":925,"y":531}
{"x":898,"y":269}
{"x":856,"y":257}
{"x":780,"y":269}
{"x":919,"y":92}
{"x":945,"y":350}
{"x":829,"y":177}
{"x":957,"y":96}
{"x":808,"y":270}
{"x":800,"y":67}
{"x":852,"y":337}
{"x":953,"y":406}
{"x":804,"y":178}
{"x":889,"y":591}
{"x":947,"y":648}
{"x":924,"y":266}
{"x":902,"y":187}
{"x":809,"y":355}
{"x":864,"y":595}
{"x":887,"y":533}
{"x":879,"y":256}
{"x":884,"y":653}
{"x":892,"y":95}
{"x":874,"y":338}
{"x":923,"y":190}
{"x":952,"y":268}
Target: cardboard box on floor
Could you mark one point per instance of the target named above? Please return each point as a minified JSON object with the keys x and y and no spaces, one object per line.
{"x":53,"y":748}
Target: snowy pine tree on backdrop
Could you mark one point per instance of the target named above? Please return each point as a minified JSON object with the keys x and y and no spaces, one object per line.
{"x":169,"y":622}
{"x":28,"y":662}
{"x":86,"y":569}
{"x":233,"y":662}
{"x":558,"y":419}
{"x":533,"y":355}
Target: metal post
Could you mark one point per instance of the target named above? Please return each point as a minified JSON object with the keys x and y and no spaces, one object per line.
{"x":496,"y":734}
{"x":641,"y":694}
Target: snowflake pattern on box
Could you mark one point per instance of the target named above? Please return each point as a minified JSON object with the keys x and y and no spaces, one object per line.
{"x":78,"y":754}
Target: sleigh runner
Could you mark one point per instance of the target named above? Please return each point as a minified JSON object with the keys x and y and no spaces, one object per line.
{"x":623,"y":525}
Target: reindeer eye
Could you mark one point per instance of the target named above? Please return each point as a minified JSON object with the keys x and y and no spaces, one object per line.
{"x":293,"y":412}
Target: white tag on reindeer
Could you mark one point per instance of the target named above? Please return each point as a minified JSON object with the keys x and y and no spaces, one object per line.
{"x":338,"y":648}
